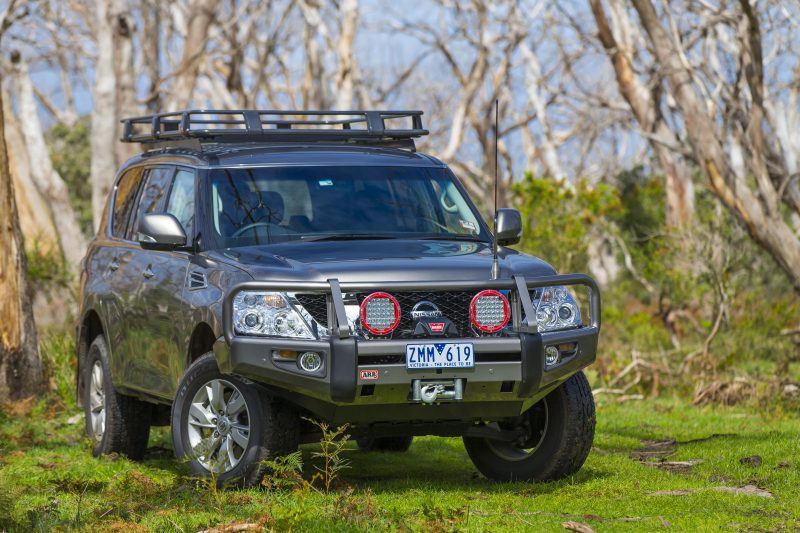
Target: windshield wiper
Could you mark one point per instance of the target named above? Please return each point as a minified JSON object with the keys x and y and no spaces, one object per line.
{"x":451,"y":237}
{"x":346,"y":237}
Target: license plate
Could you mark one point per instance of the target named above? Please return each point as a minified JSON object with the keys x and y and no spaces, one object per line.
{"x":440,"y":355}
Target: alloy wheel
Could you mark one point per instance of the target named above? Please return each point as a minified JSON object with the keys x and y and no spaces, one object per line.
{"x":97,"y":402}
{"x":218,"y":426}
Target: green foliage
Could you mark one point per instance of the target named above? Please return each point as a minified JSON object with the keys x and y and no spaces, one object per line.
{"x":558,"y":220}
{"x":48,"y":267}
{"x":52,"y":483}
{"x":664,"y":304}
{"x":70,"y":150}
{"x":59,"y":360}
{"x":284,"y":472}
{"x":332,"y":445}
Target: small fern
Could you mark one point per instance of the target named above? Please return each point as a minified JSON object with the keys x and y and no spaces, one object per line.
{"x":284,"y":473}
{"x":332,"y":443}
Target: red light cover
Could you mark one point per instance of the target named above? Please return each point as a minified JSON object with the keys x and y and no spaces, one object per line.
{"x":489,"y":327}
{"x":380,"y":306}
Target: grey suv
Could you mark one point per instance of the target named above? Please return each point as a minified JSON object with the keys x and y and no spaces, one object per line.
{"x":253,"y":270}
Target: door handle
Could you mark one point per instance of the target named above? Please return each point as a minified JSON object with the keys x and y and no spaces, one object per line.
{"x":148,"y":272}
{"x":113,"y":265}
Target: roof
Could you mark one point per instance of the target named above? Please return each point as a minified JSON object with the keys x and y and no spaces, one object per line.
{"x":261,"y":155}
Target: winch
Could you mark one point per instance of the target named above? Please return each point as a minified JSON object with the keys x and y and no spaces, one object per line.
{"x":431,"y":391}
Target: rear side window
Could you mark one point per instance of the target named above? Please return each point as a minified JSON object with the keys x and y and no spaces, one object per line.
{"x":153,"y":197}
{"x":124,"y":198}
{"x":181,"y":201}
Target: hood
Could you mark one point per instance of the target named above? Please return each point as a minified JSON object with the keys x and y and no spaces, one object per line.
{"x":379,"y":260}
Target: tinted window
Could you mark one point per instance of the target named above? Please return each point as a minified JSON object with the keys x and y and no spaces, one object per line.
{"x":124,"y":198}
{"x":154,"y":194}
{"x":181,"y":200}
{"x":272,"y":205}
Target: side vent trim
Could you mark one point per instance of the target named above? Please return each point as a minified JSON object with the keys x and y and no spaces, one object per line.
{"x":196,"y":281}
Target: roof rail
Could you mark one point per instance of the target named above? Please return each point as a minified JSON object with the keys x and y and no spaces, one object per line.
{"x":253,"y":125}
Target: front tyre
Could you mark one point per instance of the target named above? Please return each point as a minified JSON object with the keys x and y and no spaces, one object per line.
{"x":223,"y":424}
{"x":559,"y":434}
{"x":116,"y":423}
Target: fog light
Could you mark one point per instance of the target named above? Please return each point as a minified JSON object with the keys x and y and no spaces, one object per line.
{"x":551,"y":355}
{"x":310,"y":361}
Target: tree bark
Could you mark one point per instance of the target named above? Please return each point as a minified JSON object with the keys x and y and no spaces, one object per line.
{"x":151,"y":54}
{"x":313,"y":93}
{"x":49,"y":183}
{"x":201,"y":15}
{"x":20,"y":366}
{"x":679,"y":186}
{"x":104,"y":116}
{"x":533,"y":81}
{"x":34,"y":214}
{"x":126,"y":106}
{"x":347,"y":35}
{"x":754,"y":208}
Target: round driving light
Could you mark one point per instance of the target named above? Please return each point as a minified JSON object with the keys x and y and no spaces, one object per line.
{"x":565,"y":312}
{"x":489,"y":311}
{"x":380,"y":313}
{"x":551,"y":355}
{"x":310,"y":361}
{"x":252,"y":320}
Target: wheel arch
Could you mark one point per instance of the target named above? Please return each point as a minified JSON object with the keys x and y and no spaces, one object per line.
{"x":200,"y":342}
{"x":91,"y":326}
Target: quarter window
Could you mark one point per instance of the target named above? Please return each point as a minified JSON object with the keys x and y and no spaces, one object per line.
{"x":154,"y":194}
{"x":124,"y":198}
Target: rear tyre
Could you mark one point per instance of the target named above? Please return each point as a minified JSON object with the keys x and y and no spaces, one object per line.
{"x":559,"y":435}
{"x":115,"y":422}
{"x":384,"y":444}
{"x":224,"y":424}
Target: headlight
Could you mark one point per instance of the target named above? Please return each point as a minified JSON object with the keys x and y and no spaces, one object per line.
{"x":556,"y":308}
{"x":268,"y":314}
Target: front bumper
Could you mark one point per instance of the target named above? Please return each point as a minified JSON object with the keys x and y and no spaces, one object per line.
{"x":509,"y":374}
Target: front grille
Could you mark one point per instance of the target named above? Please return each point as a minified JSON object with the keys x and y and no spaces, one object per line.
{"x":316,"y":305}
{"x":453,"y":305}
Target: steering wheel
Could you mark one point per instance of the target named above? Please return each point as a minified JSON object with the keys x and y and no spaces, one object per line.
{"x":240,"y":231}
{"x":443,"y":200}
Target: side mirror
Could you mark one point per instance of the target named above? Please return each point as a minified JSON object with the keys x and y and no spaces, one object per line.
{"x":160,"y":231}
{"x":507,"y":226}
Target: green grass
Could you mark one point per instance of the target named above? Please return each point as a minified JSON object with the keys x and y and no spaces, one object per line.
{"x":48,"y":480}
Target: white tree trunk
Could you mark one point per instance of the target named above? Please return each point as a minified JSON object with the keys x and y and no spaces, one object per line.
{"x":124,"y":28}
{"x":104,"y":116}
{"x":533,"y":80}
{"x":346,"y":72}
{"x":201,"y":15}
{"x":49,"y":183}
{"x":35,"y":218}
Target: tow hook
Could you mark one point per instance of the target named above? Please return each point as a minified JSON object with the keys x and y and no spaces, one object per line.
{"x":432,"y":391}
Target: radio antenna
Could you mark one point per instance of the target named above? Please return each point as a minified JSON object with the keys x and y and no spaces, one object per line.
{"x":495,"y":262}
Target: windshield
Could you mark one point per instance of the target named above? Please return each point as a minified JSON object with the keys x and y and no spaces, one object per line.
{"x":275,"y":205}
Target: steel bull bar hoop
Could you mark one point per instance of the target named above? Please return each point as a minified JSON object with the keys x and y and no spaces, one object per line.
{"x":344,"y":347}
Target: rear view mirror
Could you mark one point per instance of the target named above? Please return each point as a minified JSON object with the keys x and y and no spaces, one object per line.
{"x":508,"y":226}
{"x":160,"y":231}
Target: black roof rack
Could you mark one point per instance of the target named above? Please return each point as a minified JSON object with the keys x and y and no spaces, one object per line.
{"x":253,"y":125}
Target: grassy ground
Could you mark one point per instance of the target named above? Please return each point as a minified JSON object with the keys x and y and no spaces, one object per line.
{"x":48,"y":480}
